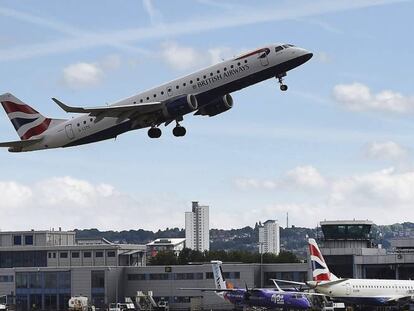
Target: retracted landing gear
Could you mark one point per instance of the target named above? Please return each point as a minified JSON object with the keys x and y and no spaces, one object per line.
{"x":154,"y":132}
{"x":283,"y":87}
{"x":178,"y":130}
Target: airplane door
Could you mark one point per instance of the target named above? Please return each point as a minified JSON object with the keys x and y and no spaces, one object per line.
{"x":263,"y":57}
{"x":348,"y":288}
{"x":69,"y":131}
{"x":169,"y":90}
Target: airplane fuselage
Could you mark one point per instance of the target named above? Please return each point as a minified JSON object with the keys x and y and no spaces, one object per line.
{"x":267,"y":298}
{"x":368,"y":291}
{"x":206,"y":85}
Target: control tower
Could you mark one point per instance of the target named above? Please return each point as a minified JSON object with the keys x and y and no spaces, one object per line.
{"x":343,"y":241}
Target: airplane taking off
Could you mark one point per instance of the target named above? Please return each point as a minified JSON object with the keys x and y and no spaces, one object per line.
{"x":205,"y":92}
{"x":375,"y":292}
{"x":254,"y":297}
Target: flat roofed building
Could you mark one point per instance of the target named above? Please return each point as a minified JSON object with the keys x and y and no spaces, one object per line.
{"x":175,"y":245}
{"x":269,"y":237}
{"x":43,"y":269}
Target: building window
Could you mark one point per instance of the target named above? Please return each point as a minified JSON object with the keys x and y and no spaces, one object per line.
{"x":111,"y":254}
{"x":98,"y":279}
{"x":87,"y":254}
{"x":17,"y":240}
{"x":188,"y":276}
{"x":75,"y":254}
{"x":6,"y":278}
{"x":158,"y":276}
{"x":50,"y":279}
{"x":137,"y":277}
{"x":28,"y":239}
{"x":63,"y":255}
{"x":209,"y":275}
{"x":99,"y":254}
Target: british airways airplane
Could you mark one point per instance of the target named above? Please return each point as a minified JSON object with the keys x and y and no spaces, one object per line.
{"x":255,"y":297}
{"x":205,"y":92}
{"x":375,"y":292}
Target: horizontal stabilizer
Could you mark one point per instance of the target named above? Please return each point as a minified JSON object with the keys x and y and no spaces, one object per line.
{"x":112,"y":111}
{"x":288,"y":282}
{"x":20,"y":143}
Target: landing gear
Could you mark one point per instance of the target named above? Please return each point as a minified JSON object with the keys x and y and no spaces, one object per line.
{"x":154,"y":132}
{"x":283,"y":87}
{"x":179,"y":131}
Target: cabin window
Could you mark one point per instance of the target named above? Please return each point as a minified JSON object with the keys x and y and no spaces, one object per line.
{"x":238,"y":64}
{"x":245,"y":61}
{"x":184,"y":84}
{"x":177,"y":87}
{"x":191,"y":81}
{"x":211,"y":74}
{"x":225,"y":69}
{"x":204,"y":76}
{"x":78,"y":124}
{"x":140,"y":100}
{"x":155,"y":95}
{"x":231,"y":66}
{"x":162,"y":92}
{"x":135,"y":103}
{"x":91,"y":119}
{"x":147,"y":98}
{"x":278,"y":48}
{"x":218,"y":71}
{"x":198,"y":79}
{"x":84,"y":122}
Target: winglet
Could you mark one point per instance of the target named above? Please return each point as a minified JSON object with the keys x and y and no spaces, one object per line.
{"x":68,"y":108}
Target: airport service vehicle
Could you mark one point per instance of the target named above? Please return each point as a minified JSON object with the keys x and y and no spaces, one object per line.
{"x":127,"y":306}
{"x":205,"y":92}
{"x":255,"y":297}
{"x":79,"y":303}
{"x":376,"y":292}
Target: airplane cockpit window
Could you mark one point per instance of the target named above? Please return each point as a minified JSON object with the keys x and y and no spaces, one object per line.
{"x":278,"y":48}
{"x":286,"y":46}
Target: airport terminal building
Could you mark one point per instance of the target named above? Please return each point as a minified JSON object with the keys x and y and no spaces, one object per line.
{"x":41,"y":270}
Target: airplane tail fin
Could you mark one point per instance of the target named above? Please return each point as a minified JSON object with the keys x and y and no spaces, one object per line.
{"x":320,"y":270}
{"x":27,"y":121}
{"x":219,"y":280}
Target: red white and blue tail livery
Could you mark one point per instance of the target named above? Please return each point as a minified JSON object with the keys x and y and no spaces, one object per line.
{"x":320,"y":270}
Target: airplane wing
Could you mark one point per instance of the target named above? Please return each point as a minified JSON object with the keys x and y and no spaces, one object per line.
{"x":20,"y":143}
{"x":399,"y":298}
{"x":210,"y":289}
{"x":288,"y":282}
{"x":112,"y":111}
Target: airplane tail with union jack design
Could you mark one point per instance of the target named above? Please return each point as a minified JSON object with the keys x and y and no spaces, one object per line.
{"x":320,"y":270}
{"x":27,"y":122}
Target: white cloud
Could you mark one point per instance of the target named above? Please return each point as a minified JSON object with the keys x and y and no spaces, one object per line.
{"x":154,"y":14}
{"x":384,"y":196}
{"x":358,"y":97}
{"x":306,"y":176}
{"x":73,"y":203}
{"x":388,"y":150}
{"x":323,"y":57}
{"x":181,"y":57}
{"x":83,"y":75}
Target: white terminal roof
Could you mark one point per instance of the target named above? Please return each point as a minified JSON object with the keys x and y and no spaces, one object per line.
{"x":167,"y":241}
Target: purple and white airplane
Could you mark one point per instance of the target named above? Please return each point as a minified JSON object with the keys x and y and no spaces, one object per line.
{"x":255,"y":297}
{"x":205,"y":92}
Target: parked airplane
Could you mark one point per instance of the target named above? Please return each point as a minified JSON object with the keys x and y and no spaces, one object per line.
{"x":205,"y":92}
{"x":376,"y":292}
{"x":254,"y":297}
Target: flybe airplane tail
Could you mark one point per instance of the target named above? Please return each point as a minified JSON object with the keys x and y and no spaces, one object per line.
{"x":219,"y":280}
{"x":320,"y":270}
{"x":27,"y":121}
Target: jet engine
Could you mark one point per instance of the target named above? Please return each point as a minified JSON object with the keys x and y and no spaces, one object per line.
{"x":217,"y":106}
{"x":181,"y":105}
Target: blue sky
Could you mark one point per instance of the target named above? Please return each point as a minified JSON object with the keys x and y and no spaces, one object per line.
{"x":337,"y":144}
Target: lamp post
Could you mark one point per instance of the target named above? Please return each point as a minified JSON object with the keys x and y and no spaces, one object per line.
{"x":261,"y":263}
